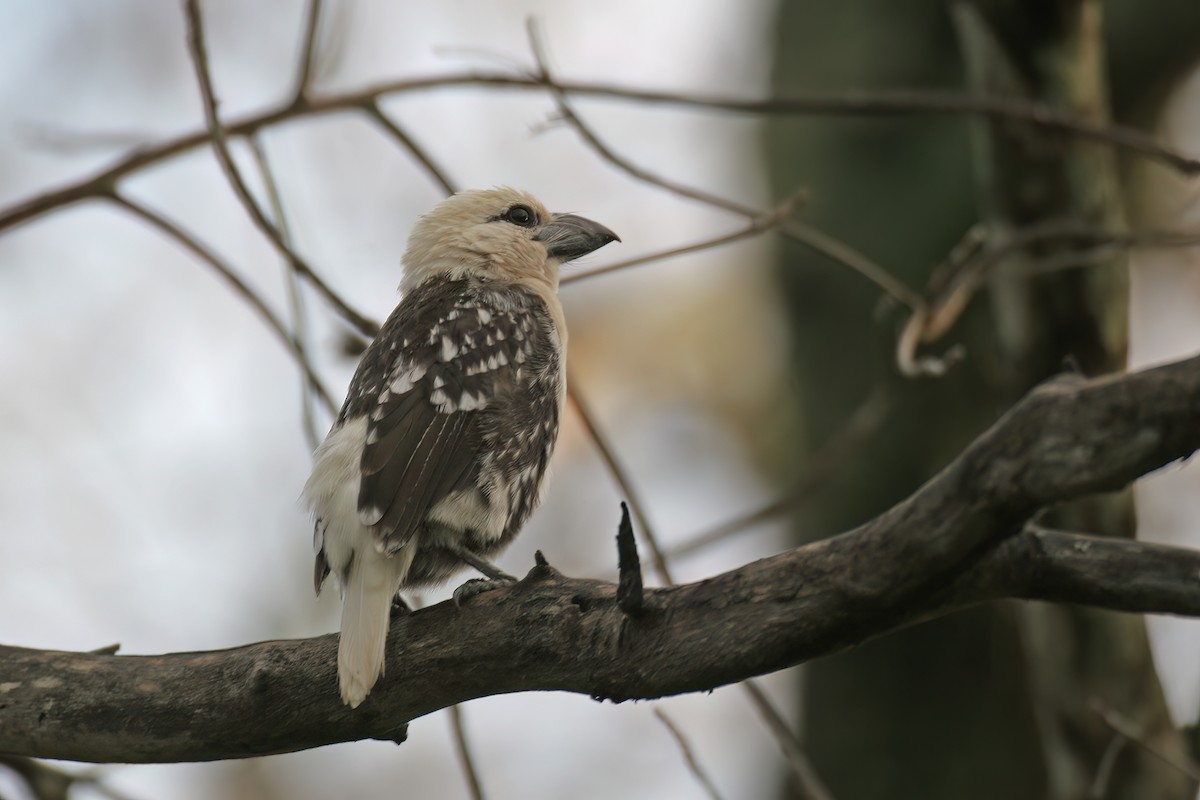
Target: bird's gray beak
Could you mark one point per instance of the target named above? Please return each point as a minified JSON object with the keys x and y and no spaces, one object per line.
{"x":568,"y":236}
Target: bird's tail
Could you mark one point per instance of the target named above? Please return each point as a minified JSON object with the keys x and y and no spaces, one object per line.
{"x":373,"y":581}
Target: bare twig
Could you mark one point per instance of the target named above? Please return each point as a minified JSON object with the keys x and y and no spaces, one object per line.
{"x":458,"y":726}
{"x":806,"y":777}
{"x":842,"y":253}
{"x":47,"y":781}
{"x":65,"y":140}
{"x":821,"y":242}
{"x":624,"y":482}
{"x":797,"y":761}
{"x":1104,"y":771}
{"x":239,"y":287}
{"x":909,"y":341}
{"x":220,"y":145}
{"x":465,"y":760}
{"x":630,"y":597}
{"x":819,"y":469}
{"x":308,"y":53}
{"x":967,"y":269}
{"x":295,"y":295}
{"x":891,"y":103}
{"x":757,"y":226}
{"x":416,"y":151}
{"x":801,"y":768}
{"x":1124,"y":727}
{"x":685,"y":749}
{"x":897,"y":103}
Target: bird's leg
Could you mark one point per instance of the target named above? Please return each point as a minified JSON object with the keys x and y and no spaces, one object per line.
{"x":483,"y":565}
{"x":496,"y":577}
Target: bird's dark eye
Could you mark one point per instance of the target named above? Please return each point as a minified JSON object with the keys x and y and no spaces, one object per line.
{"x":521,"y":215}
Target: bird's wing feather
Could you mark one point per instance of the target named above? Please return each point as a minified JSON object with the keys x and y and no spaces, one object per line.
{"x":443,"y":367}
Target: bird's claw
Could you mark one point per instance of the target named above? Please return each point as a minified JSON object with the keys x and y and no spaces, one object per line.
{"x":477,"y":586}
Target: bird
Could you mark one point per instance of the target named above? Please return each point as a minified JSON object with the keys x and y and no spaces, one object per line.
{"x":439,"y":453}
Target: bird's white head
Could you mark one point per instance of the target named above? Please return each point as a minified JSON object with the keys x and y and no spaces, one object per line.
{"x":497,"y":234}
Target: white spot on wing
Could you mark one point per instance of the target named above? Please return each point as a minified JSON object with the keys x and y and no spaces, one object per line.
{"x":370,"y":516}
{"x":469,"y":402}
{"x":449,"y":349}
{"x":403,"y":381}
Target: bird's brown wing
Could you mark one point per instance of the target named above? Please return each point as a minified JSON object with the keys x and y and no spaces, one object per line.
{"x":454,"y":360}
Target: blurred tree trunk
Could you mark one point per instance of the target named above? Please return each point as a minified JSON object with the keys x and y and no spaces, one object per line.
{"x":995,"y":702}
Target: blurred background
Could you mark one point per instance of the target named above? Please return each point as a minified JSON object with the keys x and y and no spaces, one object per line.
{"x":155,"y":437}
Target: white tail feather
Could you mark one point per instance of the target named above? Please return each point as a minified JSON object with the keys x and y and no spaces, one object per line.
{"x":366,"y":613}
{"x":367,"y":578}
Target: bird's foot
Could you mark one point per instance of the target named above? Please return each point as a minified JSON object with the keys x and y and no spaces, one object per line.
{"x":477,"y":586}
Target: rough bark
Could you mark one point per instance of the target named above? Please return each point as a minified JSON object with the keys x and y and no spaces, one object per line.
{"x":960,"y":539}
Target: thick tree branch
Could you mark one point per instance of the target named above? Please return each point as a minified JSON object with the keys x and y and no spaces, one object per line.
{"x":960,"y":539}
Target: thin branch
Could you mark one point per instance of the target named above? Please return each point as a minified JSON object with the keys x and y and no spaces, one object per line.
{"x":819,"y":468}
{"x":415,"y":150}
{"x":48,"y":781}
{"x":1104,"y":771}
{"x":956,"y":282}
{"x":821,"y":242}
{"x":801,"y":768}
{"x":240,"y":288}
{"x":809,"y":783}
{"x":463,"y":749}
{"x":1126,"y":729}
{"x":308,"y":53}
{"x":624,"y":482}
{"x":890,"y":103}
{"x":757,"y":226}
{"x":893,"y":103}
{"x":689,"y":757}
{"x":908,"y":343}
{"x":44,"y":781}
{"x":295,"y":295}
{"x":220,"y":145}
{"x":458,"y":728}
{"x":842,"y":253}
